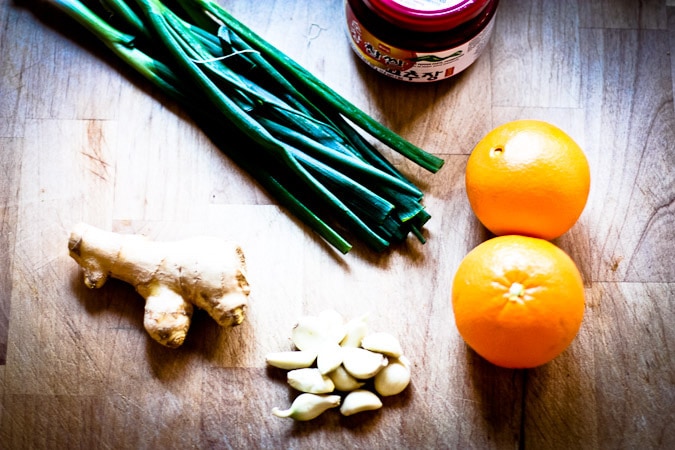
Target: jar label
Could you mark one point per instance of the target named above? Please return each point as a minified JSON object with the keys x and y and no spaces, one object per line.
{"x":408,"y":65}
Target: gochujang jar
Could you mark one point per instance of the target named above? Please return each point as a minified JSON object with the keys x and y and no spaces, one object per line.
{"x":420,"y":40}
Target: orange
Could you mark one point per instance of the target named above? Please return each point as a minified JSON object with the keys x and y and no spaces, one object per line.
{"x":527,"y":177}
{"x":518,"y":301}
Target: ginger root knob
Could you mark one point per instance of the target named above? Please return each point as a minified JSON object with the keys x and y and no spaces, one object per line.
{"x":173,"y":277}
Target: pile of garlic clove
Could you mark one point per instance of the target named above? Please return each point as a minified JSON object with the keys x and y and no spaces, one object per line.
{"x":334,"y":356}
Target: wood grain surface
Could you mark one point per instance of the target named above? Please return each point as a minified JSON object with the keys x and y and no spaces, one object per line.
{"x":83,"y":138}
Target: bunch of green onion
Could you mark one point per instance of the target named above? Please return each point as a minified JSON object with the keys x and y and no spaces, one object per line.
{"x":297,"y":137}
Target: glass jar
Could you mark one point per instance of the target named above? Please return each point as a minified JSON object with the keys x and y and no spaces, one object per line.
{"x":420,"y":40}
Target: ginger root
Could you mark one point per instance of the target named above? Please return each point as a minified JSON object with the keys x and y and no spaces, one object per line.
{"x":173,"y":277}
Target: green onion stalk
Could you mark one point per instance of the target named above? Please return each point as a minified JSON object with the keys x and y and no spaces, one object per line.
{"x":296,"y":136}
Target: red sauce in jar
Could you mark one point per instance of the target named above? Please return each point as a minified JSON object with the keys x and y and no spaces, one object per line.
{"x":420,"y":40}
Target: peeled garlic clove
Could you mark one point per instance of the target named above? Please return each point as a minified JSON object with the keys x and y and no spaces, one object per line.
{"x":310,"y":380}
{"x":355,"y":330}
{"x":343,"y":381}
{"x":361,"y":363}
{"x":308,"y":406}
{"x":291,"y":360}
{"x":313,"y":332}
{"x":384,"y":343}
{"x":394,"y":378}
{"x":307,"y":334}
{"x":358,"y":401}
{"x":334,"y":323}
{"x":329,"y":358}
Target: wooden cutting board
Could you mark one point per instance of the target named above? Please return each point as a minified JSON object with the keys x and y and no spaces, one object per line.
{"x":85,"y":139}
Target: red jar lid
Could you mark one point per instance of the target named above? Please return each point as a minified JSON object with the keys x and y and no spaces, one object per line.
{"x":427,"y":15}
